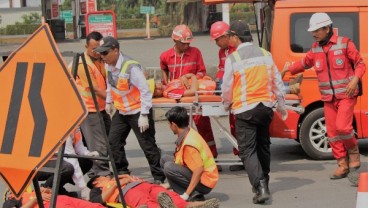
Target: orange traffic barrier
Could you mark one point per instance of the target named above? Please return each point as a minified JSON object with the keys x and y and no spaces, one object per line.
{"x":362,"y":197}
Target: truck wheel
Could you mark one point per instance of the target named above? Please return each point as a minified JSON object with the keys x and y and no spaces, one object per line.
{"x":313,"y":136}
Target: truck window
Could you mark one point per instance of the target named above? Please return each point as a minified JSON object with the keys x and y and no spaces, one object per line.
{"x":345,"y":24}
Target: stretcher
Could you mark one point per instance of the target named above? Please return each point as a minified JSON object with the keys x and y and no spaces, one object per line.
{"x":211,"y":106}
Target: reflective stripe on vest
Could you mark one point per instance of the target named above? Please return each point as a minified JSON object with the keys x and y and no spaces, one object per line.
{"x":209,"y":177}
{"x":126,"y":97}
{"x":85,"y":91}
{"x":106,"y":184}
{"x":333,"y":81}
{"x":253,"y":74}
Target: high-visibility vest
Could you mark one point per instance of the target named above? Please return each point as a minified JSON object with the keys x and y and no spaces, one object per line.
{"x":334,"y":70}
{"x":204,"y":84}
{"x":85,"y":90}
{"x":253,"y":76}
{"x":210,"y":175}
{"x":126,"y":97}
{"x":106,"y":183}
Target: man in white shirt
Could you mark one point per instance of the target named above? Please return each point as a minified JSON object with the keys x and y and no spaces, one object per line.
{"x":128,"y":92}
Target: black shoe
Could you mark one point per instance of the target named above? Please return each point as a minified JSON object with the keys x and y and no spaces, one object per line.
{"x":158,"y":182}
{"x":196,"y":197}
{"x":236,"y":167}
{"x":262,"y":192}
{"x":219,"y":168}
{"x":124,"y":171}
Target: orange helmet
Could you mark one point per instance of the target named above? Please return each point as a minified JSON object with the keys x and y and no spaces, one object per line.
{"x":219,"y":29}
{"x":182,"y":33}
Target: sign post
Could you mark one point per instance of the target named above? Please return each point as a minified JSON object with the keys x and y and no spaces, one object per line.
{"x":40,"y":106}
{"x":147,"y":10}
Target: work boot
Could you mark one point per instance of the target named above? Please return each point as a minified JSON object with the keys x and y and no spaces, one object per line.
{"x":211,"y":203}
{"x":165,"y":200}
{"x":343,"y":169}
{"x":354,"y":158}
{"x":354,"y":165}
{"x":262,"y":192}
{"x":294,"y":88}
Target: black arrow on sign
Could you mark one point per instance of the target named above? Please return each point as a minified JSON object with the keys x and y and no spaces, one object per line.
{"x":38,"y":110}
{"x":37,"y":107}
{"x":14,"y":108}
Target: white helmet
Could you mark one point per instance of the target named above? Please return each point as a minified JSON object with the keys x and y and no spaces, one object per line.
{"x":319,"y":20}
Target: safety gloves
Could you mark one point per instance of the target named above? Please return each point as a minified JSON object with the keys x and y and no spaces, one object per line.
{"x":109,"y":108}
{"x":143,"y":123}
{"x":93,"y":154}
{"x":184,"y":196}
{"x":85,"y":193}
{"x":283,"y":111}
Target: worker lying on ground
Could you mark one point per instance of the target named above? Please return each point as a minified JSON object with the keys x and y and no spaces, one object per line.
{"x":139,"y":193}
{"x":29,"y":200}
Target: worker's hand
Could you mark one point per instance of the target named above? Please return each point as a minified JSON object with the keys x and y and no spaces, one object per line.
{"x":185,"y":82}
{"x":227,"y":107}
{"x":283,"y":111}
{"x":109,"y":108}
{"x":93,"y":154}
{"x":184,"y":196}
{"x":85,"y":193}
{"x":143,"y":123}
{"x":351,"y":87}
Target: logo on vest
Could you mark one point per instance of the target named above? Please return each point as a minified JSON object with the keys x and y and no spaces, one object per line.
{"x":339,"y":61}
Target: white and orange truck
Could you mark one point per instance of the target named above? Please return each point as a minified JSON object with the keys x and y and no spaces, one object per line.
{"x":289,"y":41}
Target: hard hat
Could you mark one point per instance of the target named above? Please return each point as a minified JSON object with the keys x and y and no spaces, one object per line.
{"x":182,"y":33}
{"x":219,"y":29}
{"x":319,"y":20}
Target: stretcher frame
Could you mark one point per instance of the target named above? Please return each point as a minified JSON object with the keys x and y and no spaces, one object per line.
{"x":215,"y":110}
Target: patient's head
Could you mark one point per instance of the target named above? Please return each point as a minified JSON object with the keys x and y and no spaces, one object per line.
{"x":159,"y":89}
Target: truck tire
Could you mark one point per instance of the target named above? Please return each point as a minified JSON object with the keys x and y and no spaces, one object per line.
{"x":313,"y":136}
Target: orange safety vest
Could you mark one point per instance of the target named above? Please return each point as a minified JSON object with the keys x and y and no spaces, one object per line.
{"x":125,"y":96}
{"x":84,"y":89}
{"x":334,"y":70}
{"x":204,"y":84}
{"x":107,"y":183}
{"x":210,"y":175}
{"x":253,"y":77}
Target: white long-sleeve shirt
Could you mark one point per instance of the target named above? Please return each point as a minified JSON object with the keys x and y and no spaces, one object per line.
{"x":76,"y":149}
{"x":137,"y":79}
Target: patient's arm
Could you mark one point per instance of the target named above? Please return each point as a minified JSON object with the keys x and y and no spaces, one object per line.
{"x":193,"y":87}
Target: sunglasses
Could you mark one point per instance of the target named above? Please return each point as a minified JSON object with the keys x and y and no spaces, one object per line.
{"x":104,"y":53}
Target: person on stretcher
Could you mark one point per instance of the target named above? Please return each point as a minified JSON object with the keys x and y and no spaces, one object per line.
{"x":186,"y":86}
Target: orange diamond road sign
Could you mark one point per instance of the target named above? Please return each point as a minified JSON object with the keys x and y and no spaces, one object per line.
{"x":39,"y":107}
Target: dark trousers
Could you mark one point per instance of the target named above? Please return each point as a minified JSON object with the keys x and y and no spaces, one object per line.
{"x":67,"y":171}
{"x":179,"y":176}
{"x":120,"y":129}
{"x":252,"y":130}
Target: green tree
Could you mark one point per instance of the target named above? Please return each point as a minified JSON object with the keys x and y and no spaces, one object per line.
{"x":67,"y":5}
{"x":32,"y":18}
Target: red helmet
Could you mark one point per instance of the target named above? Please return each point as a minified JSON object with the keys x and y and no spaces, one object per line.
{"x":182,"y":33}
{"x":219,"y":29}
